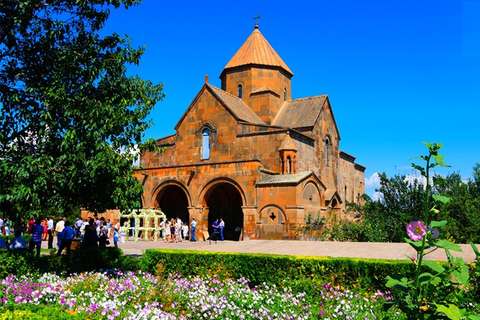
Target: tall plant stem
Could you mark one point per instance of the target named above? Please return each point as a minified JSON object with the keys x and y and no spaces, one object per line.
{"x":422,"y":250}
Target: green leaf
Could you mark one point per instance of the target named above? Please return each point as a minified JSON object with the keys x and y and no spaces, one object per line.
{"x":398,"y":281}
{"x":435,"y":266}
{"x":435,"y":281}
{"x":438,"y":224}
{"x":460,"y":276}
{"x":452,"y":311}
{"x":427,"y":144}
{"x":417,"y":245}
{"x":473,"y":317}
{"x":475,"y":249}
{"x":440,"y":198}
{"x":425,"y":277}
{"x":439,"y":159}
{"x":445,"y":244}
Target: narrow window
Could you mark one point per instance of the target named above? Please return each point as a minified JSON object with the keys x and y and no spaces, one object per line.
{"x":289,"y":165}
{"x":326,"y":152}
{"x":206,"y":144}
{"x":240,"y":91}
{"x":284,"y":94}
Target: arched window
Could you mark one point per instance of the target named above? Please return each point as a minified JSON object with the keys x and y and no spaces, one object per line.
{"x":289,"y":165}
{"x":326,"y":151}
{"x":284,"y":94}
{"x":240,"y":91}
{"x":205,"y":144}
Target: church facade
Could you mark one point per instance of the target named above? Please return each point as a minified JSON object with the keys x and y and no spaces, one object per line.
{"x":249,"y":154}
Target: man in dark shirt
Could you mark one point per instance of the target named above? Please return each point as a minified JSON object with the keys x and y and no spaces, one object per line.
{"x":67,"y":235}
{"x":36,"y":231}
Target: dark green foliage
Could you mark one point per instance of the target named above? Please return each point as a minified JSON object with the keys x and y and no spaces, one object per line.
{"x":69,"y":114}
{"x":19,"y":262}
{"x":463,"y":210}
{"x":404,"y":201}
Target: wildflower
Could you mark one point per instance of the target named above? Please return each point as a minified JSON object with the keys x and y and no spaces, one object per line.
{"x":416,"y":230}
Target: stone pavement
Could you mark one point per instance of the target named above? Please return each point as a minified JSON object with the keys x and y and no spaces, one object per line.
{"x":368,"y":250}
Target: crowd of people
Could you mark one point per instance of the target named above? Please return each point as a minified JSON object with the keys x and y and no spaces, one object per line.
{"x":90,"y":232}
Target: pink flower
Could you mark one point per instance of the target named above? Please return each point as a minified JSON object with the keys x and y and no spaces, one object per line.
{"x":435,"y":233}
{"x":416,"y":230}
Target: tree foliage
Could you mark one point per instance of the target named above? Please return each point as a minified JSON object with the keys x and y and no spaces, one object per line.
{"x":70,"y":115}
{"x":403,"y":200}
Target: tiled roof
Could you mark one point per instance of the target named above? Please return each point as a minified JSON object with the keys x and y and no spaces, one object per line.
{"x":300,"y":113}
{"x":330,"y":194}
{"x":284,"y":178}
{"x":236,"y":106}
{"x":287,"y":143}
{"x":257,"y":50}
{"x":264,"y":89}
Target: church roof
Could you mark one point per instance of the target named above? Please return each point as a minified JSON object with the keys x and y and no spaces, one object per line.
{"x":256,"y":50}
{"x":287,"y":143}
{"x":264,"y":89}
{"x":300,"y":113}
{"x":236,"y":106}
{"x":284,"y":178}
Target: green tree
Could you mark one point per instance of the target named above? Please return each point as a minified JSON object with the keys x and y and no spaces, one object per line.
{"x":70,"y":116}
{"x":463,"y":210}
{"x":384,"y":221}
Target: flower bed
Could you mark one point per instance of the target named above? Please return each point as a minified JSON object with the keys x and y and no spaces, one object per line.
{"x":143,"y":296}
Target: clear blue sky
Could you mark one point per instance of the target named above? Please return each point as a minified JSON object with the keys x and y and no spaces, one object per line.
{"x":397,"y":72}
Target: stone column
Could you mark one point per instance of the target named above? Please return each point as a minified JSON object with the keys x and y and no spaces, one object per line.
{"x":250,"y":217}
{"x":295,"y":217}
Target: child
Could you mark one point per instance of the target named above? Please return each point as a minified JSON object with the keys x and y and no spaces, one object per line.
{"x":123,"y":232}
{"x":116,"y":229}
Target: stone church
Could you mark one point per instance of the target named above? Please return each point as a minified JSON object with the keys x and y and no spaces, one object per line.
{"x":250,"y":154}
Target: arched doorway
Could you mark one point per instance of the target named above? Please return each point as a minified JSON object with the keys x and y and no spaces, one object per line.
{"x":224,"y":201}
{"x":173,"y":201}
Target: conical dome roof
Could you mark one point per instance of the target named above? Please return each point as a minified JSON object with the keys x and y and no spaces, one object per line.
{"x":256,"y":50}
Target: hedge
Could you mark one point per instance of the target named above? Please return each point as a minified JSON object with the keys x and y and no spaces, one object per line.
{"x":275,"y":269}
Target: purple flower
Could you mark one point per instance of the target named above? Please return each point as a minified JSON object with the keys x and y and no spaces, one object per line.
{"x":435,"y":233}
{"x":416,"y":230}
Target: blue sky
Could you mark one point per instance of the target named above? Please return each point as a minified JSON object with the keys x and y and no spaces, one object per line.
{"x":397,"y":72}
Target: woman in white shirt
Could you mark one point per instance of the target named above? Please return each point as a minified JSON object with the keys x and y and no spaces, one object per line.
{"x":167,"y":232}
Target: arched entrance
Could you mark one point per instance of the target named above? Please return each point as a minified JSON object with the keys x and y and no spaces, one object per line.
{"x":173,"y":201}
{"x":224,"y":201}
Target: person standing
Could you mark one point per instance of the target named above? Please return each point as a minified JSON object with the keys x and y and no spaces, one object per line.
{"x":58,"y":229}
{"x":36,"y":231}
{"x":109,"y":228}
{"x":78,"y":226}
{"x":31,"y":222}
{"x":168,"y":231}
{"x":50,"y":233}
{"x":221,"y":226}
{"x":2,"y":231}
{"x":179,"y":228}
{"x":162,"y":229}
{"x":67,"y":236}
{"x":174,"y":230}
{"x":193,"y":226}
{"x":185,"y":230}
{"x":116,"y":230}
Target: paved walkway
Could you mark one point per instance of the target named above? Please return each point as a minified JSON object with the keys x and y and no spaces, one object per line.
{"x":368,"y":250}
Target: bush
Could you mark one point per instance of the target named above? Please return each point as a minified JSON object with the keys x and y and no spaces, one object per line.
{"x":20,"y":262}
{"x":275,"y":269}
